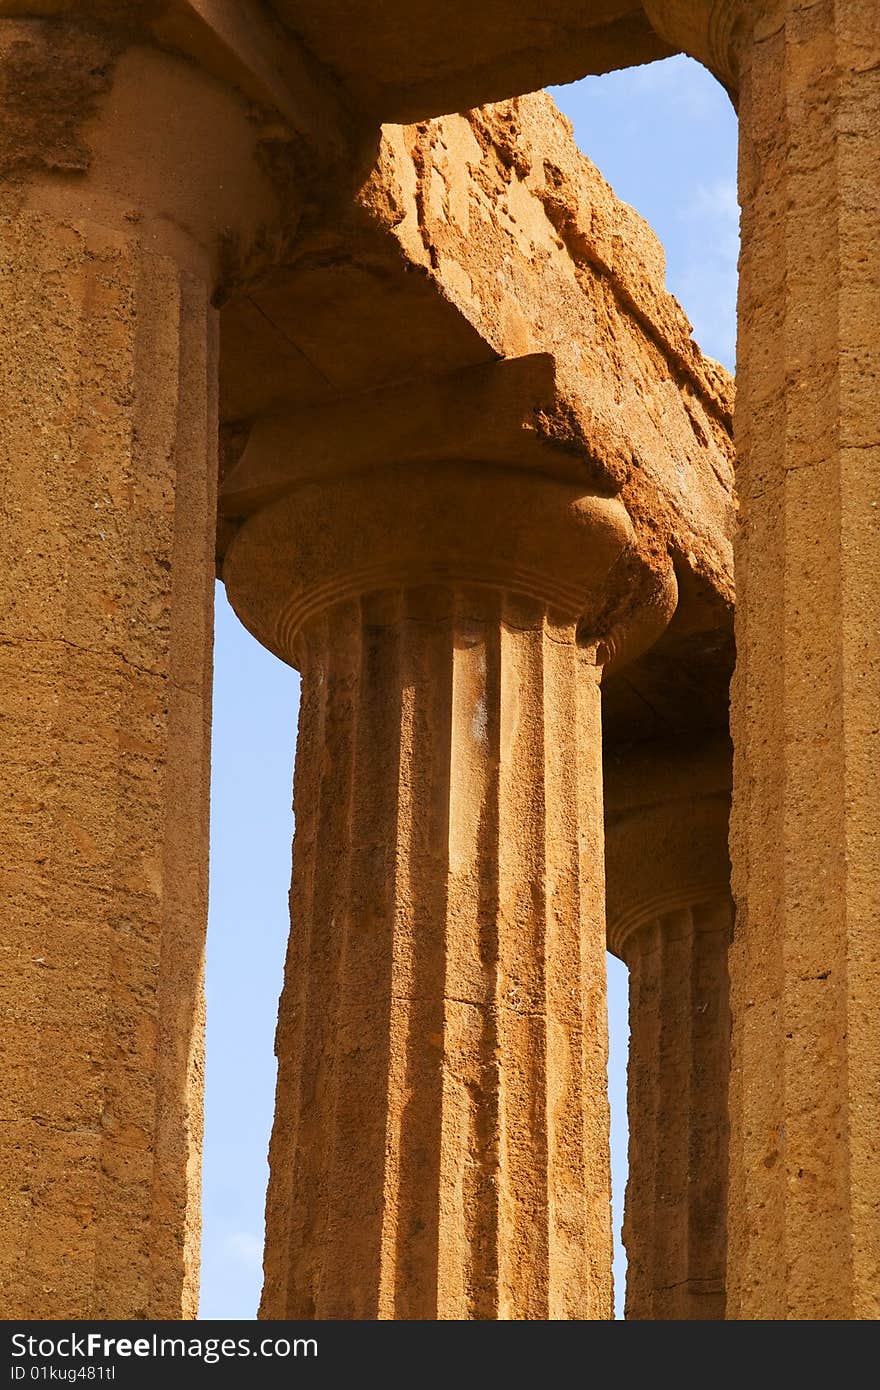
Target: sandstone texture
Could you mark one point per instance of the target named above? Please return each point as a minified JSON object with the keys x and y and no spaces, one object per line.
{"x":108,"y":398}
{"x":437,"y":1172}
{"x":412,"y":382}
{"x":805,"y":1105}
{"x":441,"y":1135}
{"x":428,"y":324}
{"x":670,"y":918}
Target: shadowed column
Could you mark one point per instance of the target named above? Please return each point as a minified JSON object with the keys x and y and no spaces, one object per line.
{"x":441,"y":1137}
{"x":805,"y":968}
{"x":670,"y":918}
{"x":805,"y":1114}
{"x":112,"y":166}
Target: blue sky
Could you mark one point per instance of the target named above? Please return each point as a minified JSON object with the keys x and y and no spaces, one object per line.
{"x":664,"y":137}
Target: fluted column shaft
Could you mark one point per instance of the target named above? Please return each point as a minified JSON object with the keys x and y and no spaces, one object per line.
{"x":109,"y":226}
{"x":440,"y":1143}
{"x":675,"y":1221}
{"x":440,"y":1147}
{"x":670,"y":918}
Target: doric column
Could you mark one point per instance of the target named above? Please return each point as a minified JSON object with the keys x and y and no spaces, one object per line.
{"x":121,"y":170}
{"x":805,"y":972}
{"x":441,"y":1137}
{"x":670,"y":917}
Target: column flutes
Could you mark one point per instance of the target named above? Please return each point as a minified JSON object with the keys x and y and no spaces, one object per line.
{"x":670,"y":918}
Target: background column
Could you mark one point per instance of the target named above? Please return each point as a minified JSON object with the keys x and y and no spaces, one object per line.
{"x":670,"y":918}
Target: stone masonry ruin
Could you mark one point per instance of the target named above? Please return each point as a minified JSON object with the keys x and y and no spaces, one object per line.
{"x":335,"y":309}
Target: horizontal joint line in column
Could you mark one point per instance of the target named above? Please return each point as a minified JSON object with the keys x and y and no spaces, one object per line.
{"x":491,"y":1006}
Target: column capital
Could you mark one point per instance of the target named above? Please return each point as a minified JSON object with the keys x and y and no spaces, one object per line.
{"x":113,"y":124}
{"x":712,"y":31}
{"x":666,"y":830}
{"x":233,"y":40}
{"x":447,"y":524}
